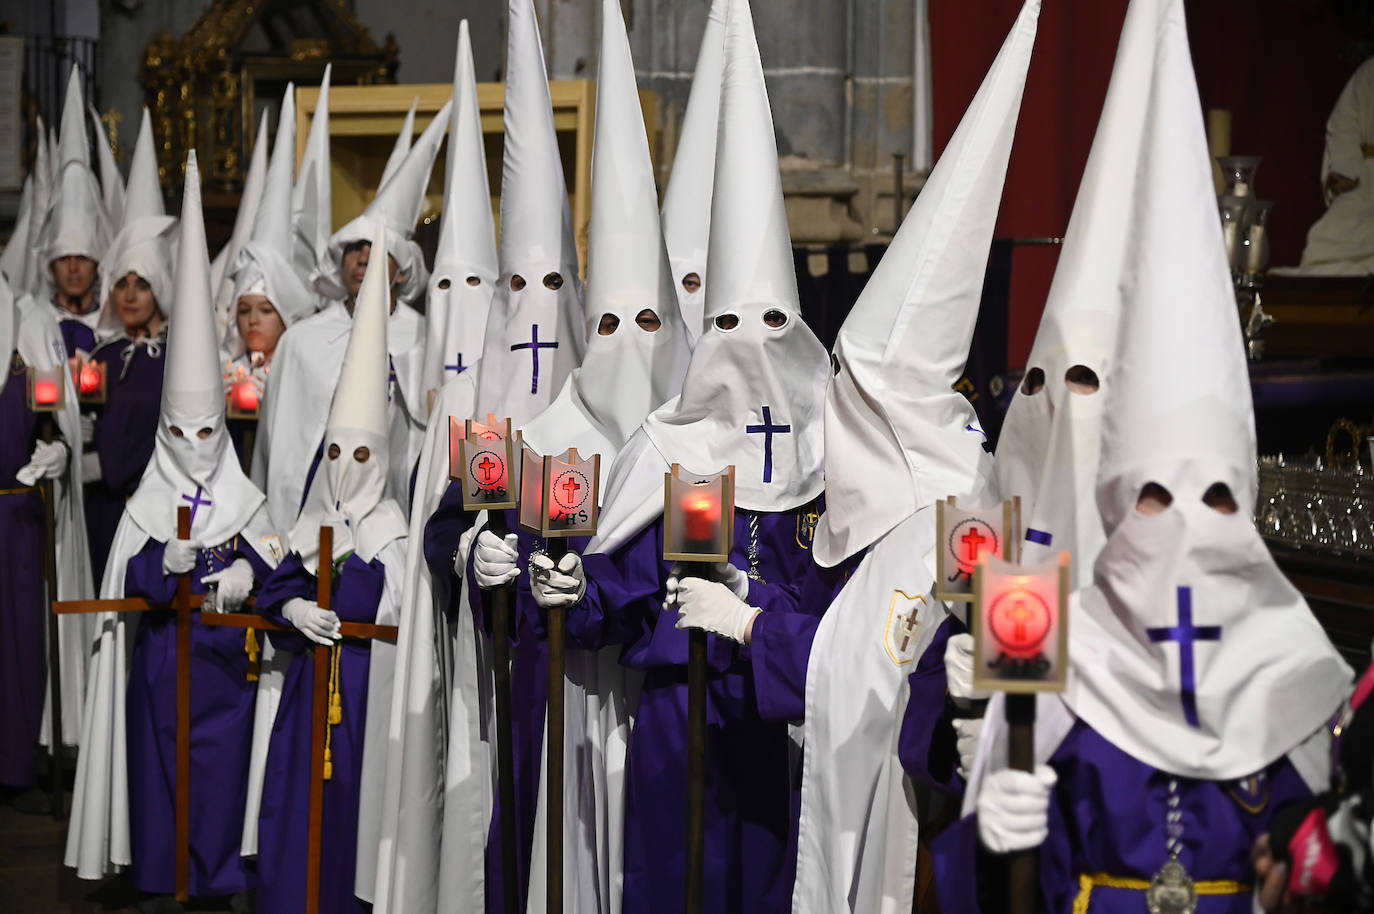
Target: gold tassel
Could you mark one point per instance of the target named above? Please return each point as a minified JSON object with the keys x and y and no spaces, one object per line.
{"x":328,"y":764}
{"x":254,"y":652}
{"x":335,"y":698}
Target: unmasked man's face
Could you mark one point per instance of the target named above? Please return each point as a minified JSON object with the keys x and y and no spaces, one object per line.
{"x":355,"y":268}
{"x":74,"y":275}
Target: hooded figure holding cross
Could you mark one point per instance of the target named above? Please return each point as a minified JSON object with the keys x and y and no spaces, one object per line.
{"x":124,"y":801}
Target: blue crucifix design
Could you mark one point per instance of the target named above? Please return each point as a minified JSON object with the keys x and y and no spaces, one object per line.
{"x":768,"y":430}
{"x":534,"y":346}
{"x":196,"y":501}
{"x":458,"y":368}
{"x":1186,"y":634}
{"x":1039,"y":537}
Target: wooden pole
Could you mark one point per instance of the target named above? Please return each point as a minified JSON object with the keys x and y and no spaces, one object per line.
{"x":696,"y":756}
{"x":250,"y":433}
{"x":557,"y":548}
{"x":1023,"y":879}
{"x":46,"y":492}
{"x":182,"y":604}
{"x":498,"y":602}
{"x":319,"y":720}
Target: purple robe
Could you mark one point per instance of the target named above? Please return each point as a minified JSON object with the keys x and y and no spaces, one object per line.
{"x":1107,"y":816}
{"x":283,"y":829}
{"x":124,"y":431}
{"x":927,"y":744}
{"x":76,"y":333}
{"x":752,"y":780}
{"x":221,"y":731}
{"x":23,"y":667}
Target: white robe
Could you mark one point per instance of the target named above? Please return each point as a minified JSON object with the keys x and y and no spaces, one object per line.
{"x":857,"y":835}
{"x":300,"y":388}
{"x":98,"y":841}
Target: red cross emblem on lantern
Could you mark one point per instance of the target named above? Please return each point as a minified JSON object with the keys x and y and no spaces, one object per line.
{"x":481,"y":456}
{"x":1019,"y":620}
{"x":1020,"y":630}
{"x":966,"y":536}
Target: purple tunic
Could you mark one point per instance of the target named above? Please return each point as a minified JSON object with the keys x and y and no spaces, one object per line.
{"x":283,"y":828}
{"x":751,"y":777}
{"x":1107,"y":816}
{"x":926,"y":745}
{"x":124,"y":431}
{"x":23,"y":662}
{"x":221,"y":731}
{"x":76,"y":333}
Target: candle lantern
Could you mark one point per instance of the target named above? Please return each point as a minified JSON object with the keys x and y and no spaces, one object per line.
{"x":88,"y":377}
{"x":482,"y":456}
{"x":964,"y":536}
{"x":47,"y":393}
{"x":559,"y":495}
{"x":698,"y":516}
{"x":1020,"y":625}
{"x":241,"y":402}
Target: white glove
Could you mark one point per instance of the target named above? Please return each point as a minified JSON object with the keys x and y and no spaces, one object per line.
{"x":967,"y":730}
{"x":87,"y":428}
{"x":733,"y":578}
{"x":495,"y":561}
{"x":558,"y":585}
{"x":460,"y":555}
{"x":1014,"y":809}
{"x":228,"y":588}
{"x":959,"y":668}
{"x":179,"y":556}
{"x":90,"y":467}
{"x":319,"y":625}
{"x":712,"y":606}
{"x":48,"y":461}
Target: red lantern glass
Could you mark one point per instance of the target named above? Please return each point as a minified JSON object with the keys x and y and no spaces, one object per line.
{"x":698,"y":516}
{"x":47,"y":393}
{"x":1020,"y":625}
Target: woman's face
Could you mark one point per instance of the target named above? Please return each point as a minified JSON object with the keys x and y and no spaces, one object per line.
{"x":259,"y":324}
{"x":135,"y":305}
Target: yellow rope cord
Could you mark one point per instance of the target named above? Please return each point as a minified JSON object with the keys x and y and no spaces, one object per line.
{"x":1086,"y":884}
{"x":335,"y":712}
{"x":19,"y":491}
{"x":254,"y":652}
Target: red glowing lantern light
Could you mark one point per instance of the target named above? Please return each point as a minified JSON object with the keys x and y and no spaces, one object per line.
{"x":698,"y":516}
{"x":244,"y":396}
{"x":89,"y":379}
{"x":45,"y":393}
{"x":1020,"y":625}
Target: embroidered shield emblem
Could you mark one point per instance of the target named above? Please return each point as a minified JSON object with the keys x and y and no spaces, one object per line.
{"x":903,"y":624}
{"x":806,"y":527}
{"x":1252,"y":793}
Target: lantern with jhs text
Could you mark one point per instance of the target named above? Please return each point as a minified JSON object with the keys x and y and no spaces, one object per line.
{"x":698,"y":515}
{"x":1020,"y":625}
{"x":964,"y":536}
{"x":482,"y":455}
{"x":559,"y":495}
{"x":88,"y":377}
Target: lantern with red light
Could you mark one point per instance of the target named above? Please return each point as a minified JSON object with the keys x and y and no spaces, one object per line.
{"x":698,"y":515}
{"x":88,"y":377}
{"x":964,"y":536}
{"x":47,"y":392}
{"x":559,"y":495}
{"x":482,"y":456}
{"x":241,"y":401}
{"x":1020,"y":625}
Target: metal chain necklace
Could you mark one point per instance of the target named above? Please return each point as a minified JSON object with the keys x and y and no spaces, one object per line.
{"x":1172,"y":891}
{"x":754,"y":549}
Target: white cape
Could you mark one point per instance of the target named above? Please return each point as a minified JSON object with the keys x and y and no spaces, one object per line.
{"x":300,"y":388}
{"x":98,"y":835}
{"x":857,"y":835}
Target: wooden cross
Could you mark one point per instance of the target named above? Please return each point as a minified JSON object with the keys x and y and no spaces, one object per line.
{"x":319,"y":717}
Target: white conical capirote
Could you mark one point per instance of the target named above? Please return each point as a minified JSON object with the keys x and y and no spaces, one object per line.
{"x":532,"y":183}
{"x":687,"y":199}
{"x":360,"y":397}
{"x":42,"y":201}
{"x":192,"y":383}
{"x":312,"y":201}
{"x":402,"y":144}
{"x":898,"y":437}
{"x":1181,"y":383}
{"x":143,"y":199}
{"x":272,"y":221}
{"x":73,"y":145}
{"x":111,"y":181}
{"x":222,"y":267}
{"x":14,"y":259}
{"x":630,"y":372}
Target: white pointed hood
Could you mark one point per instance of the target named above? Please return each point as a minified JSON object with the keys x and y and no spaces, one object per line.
{"x":1190,"y":633}
{"x":75,"y":222}
{"x":312,"y":200}
{"x":898,"y":437}
{"x":111,"y":181}
{"x":402,"y":144}
{"x":515,"y":378}
{"x":187,"y":469}
{"x":145,"y":239}
{"x":687,"y":201}
{"x":629,"y":372}
{"x":263,"y":265}
{"x":456,"y":308}
{"x":346,"y":493}
{"x":754,"y":392}
{"x":398,"y":204}
{"x":1048,"y":449}
{"x":221,"y":268}
{"x":33,"y":280}
{"x":14,"y":259}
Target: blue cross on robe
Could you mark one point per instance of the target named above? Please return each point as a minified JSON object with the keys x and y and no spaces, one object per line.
{"x":534,"y":346}
{"x":390,"y":378}
{"x":459,"y":368}
{"x":1186,"y":634}
{"x":196,"y":501}
{"x":768,"y":430}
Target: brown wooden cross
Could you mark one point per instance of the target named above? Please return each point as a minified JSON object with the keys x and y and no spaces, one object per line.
{"x":319,"y":717}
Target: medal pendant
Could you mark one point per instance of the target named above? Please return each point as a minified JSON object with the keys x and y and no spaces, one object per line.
{"x":1171,"y":891}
